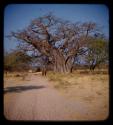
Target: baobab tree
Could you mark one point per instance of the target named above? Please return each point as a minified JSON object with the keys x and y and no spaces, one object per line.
{"x":60,"y":41}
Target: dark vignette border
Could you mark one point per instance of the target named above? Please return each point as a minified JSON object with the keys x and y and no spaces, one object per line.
{"x":108,"y":3}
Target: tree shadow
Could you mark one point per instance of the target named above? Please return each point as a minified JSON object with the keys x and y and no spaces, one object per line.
{"x":18,"y":89}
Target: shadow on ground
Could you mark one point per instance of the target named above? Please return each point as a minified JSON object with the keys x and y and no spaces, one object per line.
{"x":18,"y":89}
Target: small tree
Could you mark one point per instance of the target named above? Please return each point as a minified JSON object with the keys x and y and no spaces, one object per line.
{"x":97,"y":52}
{"x":16,"y":60}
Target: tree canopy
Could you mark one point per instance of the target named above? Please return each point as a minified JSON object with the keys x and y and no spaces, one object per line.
{"x":59,"y":42}
{"x":97,"y":53}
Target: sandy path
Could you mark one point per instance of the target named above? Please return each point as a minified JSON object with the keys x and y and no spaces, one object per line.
{"x":42,"y":102}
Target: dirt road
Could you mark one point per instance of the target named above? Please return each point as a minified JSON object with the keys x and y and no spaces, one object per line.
{"x":36,"y":99}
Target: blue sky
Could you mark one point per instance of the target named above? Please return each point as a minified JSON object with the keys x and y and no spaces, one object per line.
{"x":19,"y":16}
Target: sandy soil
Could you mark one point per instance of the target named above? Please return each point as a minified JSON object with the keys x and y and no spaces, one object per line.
{"x":35,"y":98}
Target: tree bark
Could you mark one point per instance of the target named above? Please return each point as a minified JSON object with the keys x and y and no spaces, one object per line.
{"x":44,"y":71}
{"x":59,"y":62}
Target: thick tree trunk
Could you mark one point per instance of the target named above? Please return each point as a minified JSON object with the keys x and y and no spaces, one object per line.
{"x":59,"y":62}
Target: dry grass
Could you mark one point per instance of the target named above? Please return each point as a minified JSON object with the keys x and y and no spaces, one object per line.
{"x":83,"y":86}
{"x":78,"y":77}
{"x":16,"y":78}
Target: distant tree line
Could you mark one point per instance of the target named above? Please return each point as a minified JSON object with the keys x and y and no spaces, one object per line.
{"x":16,"y":61}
